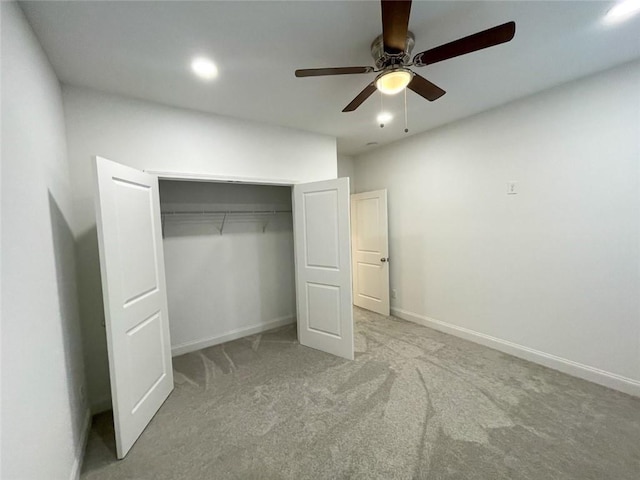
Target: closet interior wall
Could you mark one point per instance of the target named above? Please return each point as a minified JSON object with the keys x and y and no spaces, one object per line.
{"x":229,"y":260}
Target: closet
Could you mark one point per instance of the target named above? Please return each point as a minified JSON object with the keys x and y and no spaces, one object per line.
{"x":239,"y":256}
{"x":229,"y":260}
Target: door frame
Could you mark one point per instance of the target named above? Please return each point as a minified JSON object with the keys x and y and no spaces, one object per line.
{"x":206,"y":177}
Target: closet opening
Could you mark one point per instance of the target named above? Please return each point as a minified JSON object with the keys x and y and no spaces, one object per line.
{"x":225,"y":249}
{"x":229,"y":260}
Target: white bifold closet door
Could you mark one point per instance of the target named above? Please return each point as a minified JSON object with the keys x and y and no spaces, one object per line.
{"x":321,"y":230}
{"x":135,"y":297}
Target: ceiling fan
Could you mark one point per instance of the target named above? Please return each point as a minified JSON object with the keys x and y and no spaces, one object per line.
{"x":392,"y":51}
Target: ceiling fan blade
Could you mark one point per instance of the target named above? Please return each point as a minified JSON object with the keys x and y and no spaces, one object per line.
{"x":362,"y":96}
{"x":317,"y":72}
{"x":485,"y":39}
{"x":395,"y":24}
{"x":425,"y":88}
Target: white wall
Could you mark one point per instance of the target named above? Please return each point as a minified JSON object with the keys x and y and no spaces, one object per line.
{"x":229,"y":285}
{"x":551,"y":273}
{"x":150,"y":136}
{"x":346,"y":168}
{"x":44,"y":415}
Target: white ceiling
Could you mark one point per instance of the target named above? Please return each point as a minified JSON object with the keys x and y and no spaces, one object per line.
{"x":143,"y":50}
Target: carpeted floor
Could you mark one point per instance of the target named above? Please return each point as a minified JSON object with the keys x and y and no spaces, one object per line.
{"x":415,"y":404}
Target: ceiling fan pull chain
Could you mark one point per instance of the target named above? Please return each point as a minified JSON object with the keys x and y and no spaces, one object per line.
{"x":381,"y":110}
{"x":406,"y":122}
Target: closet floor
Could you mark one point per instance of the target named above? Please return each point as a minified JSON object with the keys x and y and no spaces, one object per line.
{"x":414,"y":404}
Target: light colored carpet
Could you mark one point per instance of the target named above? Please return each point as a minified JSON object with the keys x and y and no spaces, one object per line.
{"x":415,"y":404}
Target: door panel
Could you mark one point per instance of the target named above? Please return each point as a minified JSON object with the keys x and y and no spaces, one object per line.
{"x":134,"y":214}
{"x":370,"y":281}
{"x":135,"y":302}
{"x":367,"y":223}
{"x":323,"y":266}
{"x":322,"y":249}
{"x":370,"y":251}
{"x":324,"y":308}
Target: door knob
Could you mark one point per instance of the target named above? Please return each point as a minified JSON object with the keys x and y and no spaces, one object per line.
{"x":384,"y":259}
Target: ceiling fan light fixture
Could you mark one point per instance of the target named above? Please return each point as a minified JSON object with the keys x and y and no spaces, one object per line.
{"x":394,"y":81}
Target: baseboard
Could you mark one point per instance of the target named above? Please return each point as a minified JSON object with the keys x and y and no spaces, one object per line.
{"x":81,"y":447}
{"x":102,"y":405}
{"x":187,"y":347}
{"x":595,"y":375}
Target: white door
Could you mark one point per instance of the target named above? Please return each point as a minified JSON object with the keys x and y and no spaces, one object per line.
{"x":323,"y":266}
{"x":370,"y":251}
{"x":135,"y":298}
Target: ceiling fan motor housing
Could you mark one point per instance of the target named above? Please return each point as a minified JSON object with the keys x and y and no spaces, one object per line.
{"x":385,"y":59}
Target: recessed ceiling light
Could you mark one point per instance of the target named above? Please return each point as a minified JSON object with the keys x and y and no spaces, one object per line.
{"x":384,"y":117}
{"x":622,"y":10}
{"x":204,"y":68}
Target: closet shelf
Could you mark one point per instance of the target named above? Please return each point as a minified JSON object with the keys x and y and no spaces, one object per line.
{"x":222,"y":216}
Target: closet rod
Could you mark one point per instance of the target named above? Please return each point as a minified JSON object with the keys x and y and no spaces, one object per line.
{"x":225,"y":212}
